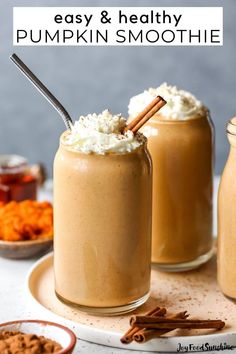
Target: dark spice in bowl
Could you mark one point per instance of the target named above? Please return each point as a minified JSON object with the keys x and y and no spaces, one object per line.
{"x":14,"y":342}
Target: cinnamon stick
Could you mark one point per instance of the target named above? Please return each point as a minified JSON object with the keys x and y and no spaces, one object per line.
{"x":157,"y":319}
{"x":146,"y":114}
{"x":128,"y":336}
{"x":193,"y":325}
{"x":167,"y":323}
{"x":144,"y":335}
{"x":155,"y":324}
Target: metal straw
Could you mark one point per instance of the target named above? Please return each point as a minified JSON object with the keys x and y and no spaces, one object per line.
{"x":43,"y":90}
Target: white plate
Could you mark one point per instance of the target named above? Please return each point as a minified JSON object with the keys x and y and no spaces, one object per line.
{"x":195,"y":291}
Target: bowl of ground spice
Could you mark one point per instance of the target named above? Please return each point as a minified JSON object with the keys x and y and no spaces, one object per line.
{"x":35,"y":337}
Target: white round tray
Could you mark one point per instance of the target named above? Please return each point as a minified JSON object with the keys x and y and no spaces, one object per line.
{"x":195,"y":291}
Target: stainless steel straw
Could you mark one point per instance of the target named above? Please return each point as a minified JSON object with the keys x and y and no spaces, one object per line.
{"x":43,"y":90}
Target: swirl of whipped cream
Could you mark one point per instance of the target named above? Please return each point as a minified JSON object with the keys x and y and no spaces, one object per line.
{"x":101,"y":134}
{"x":181,"y":105}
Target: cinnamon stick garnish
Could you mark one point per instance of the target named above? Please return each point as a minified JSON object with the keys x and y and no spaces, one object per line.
{"x":185,"y":325}
{"x":146,"y":114}
{"x":149,"y":320}
{"x":128,"y":336}
{"x":144,"y":335}
{"x":168,"y":323}
{"x":154,"y":324}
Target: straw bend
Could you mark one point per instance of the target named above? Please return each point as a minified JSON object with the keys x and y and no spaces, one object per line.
{"x":43,"y":90}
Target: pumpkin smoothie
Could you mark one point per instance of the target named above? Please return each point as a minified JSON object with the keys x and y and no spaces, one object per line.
{"x":180,"y":140}
{"x":226,"y":219}
{"x":102,"y":216}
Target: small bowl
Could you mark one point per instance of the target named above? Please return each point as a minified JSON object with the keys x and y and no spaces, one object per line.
{"x":24,"y":249}
{"x":60,"y":334}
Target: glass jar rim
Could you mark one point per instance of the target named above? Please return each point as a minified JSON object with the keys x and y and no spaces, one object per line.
{"x":231,"y":126}
{"x":12,"y":163}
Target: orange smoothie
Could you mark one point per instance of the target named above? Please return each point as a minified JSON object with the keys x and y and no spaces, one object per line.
{"x":181,"y":143}
{"x":102,"y":218}
{"x":226,"y":219}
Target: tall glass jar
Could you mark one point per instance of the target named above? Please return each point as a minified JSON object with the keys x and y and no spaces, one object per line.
{"x":227,"y":219}
{"x":182,"y":154}
{"x":102,"y":218}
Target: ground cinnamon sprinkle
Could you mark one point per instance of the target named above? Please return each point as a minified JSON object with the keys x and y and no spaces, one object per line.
{"x":21,"y":343}
{"x":27,"y":220}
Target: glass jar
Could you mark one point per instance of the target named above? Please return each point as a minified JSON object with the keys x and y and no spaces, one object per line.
{"x":16,"y":181}
{"x":227,"y":219}
{"x":102,"y":219}
{"x":182,"y":155}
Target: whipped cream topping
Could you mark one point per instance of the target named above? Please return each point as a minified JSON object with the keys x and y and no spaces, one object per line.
{"x":101,"y":134}
{"x":180,"y":105}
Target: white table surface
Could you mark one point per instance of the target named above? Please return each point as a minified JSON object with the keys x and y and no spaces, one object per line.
{"x":13,"y":304}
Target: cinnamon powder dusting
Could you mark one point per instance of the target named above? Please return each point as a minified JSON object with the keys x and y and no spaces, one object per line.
{"x":20,"y":343}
